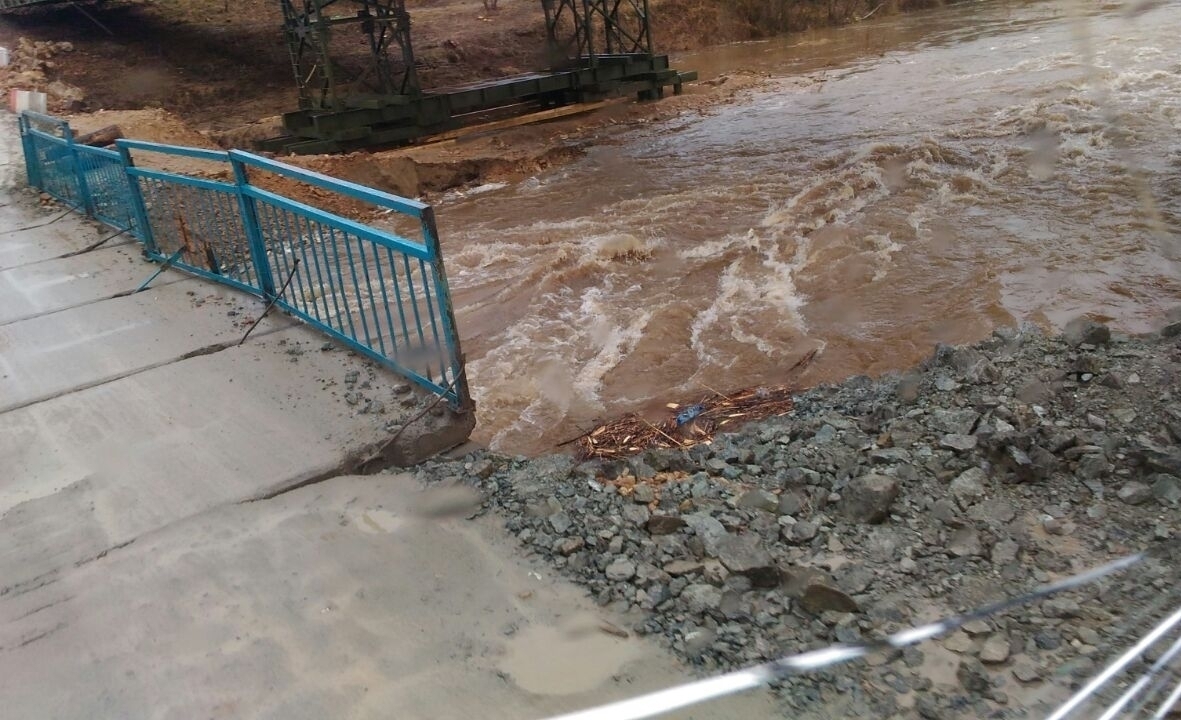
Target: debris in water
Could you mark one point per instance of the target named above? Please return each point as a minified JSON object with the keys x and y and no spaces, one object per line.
{"x":694,"y":424}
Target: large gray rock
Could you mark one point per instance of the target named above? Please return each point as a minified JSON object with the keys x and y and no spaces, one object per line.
{"x":867,"y":499}
{"x":676,"y":568}
{"x":708,"y":529}
{"x":701,"y":598}
{"x":791,"y":502}
{"x":560,"y":522}
{"x":959,"y":443}
{"x":1061,"y":608}
{"x":995,"y":650}
{"x":1134,"y":493}
{"x":1005,"y":551}
{"x":1161,"y":460}
{"x":965,"y":542}
{"x":1166,"y":488}
{"x":953,"y":422}
{"x":1083,"y":330}
{"x":758,"y":500}
{"x":1093,"y":467}
{"x":744,"y":555}
{"x":968,"y":487}
{"x":620,"y":570}
{"x":665,"y":524}
{"x":820,"y":597}
{"x":973,"y":676}
{"x":636,"y":514}
{"x":643,"y":494}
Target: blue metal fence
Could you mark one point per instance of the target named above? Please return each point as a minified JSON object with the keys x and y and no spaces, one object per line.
{"x":381,"y":294}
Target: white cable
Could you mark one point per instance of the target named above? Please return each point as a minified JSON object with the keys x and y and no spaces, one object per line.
{"x":664,"y":701}
{"x":1111,"y":670}
{"x":1142,"y":683}
{"x":1168,"y":704}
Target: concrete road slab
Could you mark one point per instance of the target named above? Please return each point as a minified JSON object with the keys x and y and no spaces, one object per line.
{"x":46,"y":356}
{"x":93,"y":469}
{"x":30,"y":236}
{"x":46,"y":287}
{"x":337,"y":600}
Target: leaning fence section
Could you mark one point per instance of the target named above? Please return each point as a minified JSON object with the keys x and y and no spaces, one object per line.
{"x":376,"y":291}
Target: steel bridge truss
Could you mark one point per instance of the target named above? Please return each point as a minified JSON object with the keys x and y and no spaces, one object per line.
{"x":579,"y":32}
{"x":312,"y":32}
{"x":598,"y":49}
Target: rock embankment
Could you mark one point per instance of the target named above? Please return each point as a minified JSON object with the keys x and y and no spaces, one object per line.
{"x":880,"y":504}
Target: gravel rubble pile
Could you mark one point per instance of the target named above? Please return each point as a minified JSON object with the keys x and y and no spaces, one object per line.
{"x":876,"y":505}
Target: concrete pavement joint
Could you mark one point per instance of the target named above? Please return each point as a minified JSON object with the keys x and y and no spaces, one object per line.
{"x":38,"y":636}
{"x":93,"y":246}
{"x":46,"y":606}
{"x":199,"y":352}
{"x":345,"y":468}
{"x":68,"y":255}
{"x":104,"y":553}
{"x":31,"y":584}
{"x":75,"y":306}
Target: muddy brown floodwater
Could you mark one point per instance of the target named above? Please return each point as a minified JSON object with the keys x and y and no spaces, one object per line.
{"x":919,"y":179}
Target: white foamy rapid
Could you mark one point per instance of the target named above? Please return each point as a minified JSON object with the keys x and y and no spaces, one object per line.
{"x":912,"y":179}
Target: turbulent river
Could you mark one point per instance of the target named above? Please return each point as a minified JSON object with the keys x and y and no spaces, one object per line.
{"x":916,"y":179}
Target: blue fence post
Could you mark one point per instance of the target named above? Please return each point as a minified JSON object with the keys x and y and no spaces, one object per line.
{"x":32,"y":167}
{"x":430,"y":236}
{"x":258,"y":248}
{"x":138,"y":209}
{"x":79,"y":171}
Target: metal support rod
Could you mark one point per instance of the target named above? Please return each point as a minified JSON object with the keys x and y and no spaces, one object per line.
{"x":315,"y":39}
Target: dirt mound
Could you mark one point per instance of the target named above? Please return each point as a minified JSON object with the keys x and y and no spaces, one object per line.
{"x":153,"y":125}
{"x":31,"y":64}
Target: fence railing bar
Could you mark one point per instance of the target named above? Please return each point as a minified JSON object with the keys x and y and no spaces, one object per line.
{"x":275,"y":244}
{"x":248,"y":208}
{"x":372,"y":302}
{"x":173,"y":178}
{"x":349,"y":189}
{"x":305,"y":285}
{"x":427,"y":292}
{"x":401,"y":304}
{"x":372,"y":234}
{"x":392,"y":363}
{"x":344,"y":298}
{"x":177,"y":150}
{"x":203,"y":222}
{"x":430,"y":237}
{"x":385,"y":299}
{"x":289,"y":266}
{"x":135,"y":195}
{"x":43,"y":118}
{"x":348,"y":251}
{"x":321,"y":290}
{"x":414,"y":307}
{"x":320,"y":249}
{"x":228,"y":209}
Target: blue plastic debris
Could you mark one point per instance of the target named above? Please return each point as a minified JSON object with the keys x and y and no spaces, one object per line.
{"x":688,"y":414}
